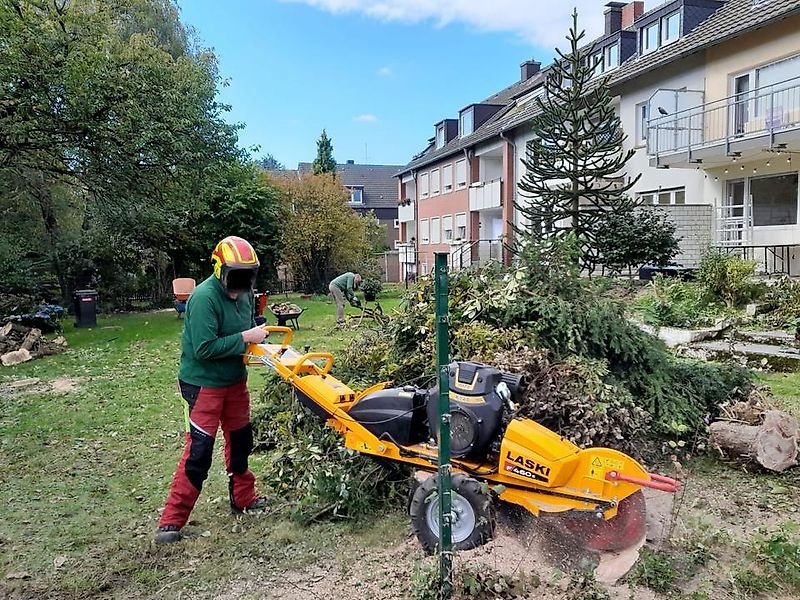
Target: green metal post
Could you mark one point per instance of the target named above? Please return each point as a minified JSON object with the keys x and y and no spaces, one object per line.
{"x":443,"y":369}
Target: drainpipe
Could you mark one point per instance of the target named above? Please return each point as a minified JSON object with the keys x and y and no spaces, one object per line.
{"x":512,"y":182}
{"x":473,"y":250}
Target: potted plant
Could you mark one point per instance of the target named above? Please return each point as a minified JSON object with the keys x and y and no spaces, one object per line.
{"x":371,"y":289}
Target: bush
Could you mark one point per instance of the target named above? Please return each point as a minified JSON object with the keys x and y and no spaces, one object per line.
{"x":782,"y":300}
{"x":673,"y":303}
{"x":371,"y":287}
{"x":630,"y":238}
{"x":728,"y":278}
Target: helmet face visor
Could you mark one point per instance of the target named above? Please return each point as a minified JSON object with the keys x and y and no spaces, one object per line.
{"x":239,"y":280}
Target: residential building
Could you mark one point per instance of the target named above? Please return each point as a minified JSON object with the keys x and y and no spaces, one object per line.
{"x":702,"y":87}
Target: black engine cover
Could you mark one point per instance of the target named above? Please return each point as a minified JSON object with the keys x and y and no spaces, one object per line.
{"x":475,"y":407}
{"x":396,"y":414}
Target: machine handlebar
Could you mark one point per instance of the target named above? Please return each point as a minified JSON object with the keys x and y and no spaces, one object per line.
{"x":287,"y":332}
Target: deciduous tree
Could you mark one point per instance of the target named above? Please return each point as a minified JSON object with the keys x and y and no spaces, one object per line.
{"x":323,"y":235}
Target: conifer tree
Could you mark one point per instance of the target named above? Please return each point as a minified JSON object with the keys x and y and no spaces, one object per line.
{"x":575,"y":162}
{"x":324,"y":162}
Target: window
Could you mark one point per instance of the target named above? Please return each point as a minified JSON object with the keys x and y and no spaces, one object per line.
{"x":530,"y":96}
{"x":423,"y":185}
{"x":447,"y":228}
{"x":436,"y":231}
{"x":774,"y":200}
{"x":611,"y":57}
{"x":461,"y":226}
{"x":642,"y":114}
{"x":775,"y":93}
{"x":397,"y":223}
{"x":461,"y":173}
{"x":664,"y":197}
{"x":670,"y":28}
{"x":447,"y":178}
{"x":439,"y":136}
{"x":356,"y":195}
{"x":596,"y":62}
{"x":424,"y":231}
{"x":466,"y":122}
{"x":435,"y":182}
{"x":650,"y":38}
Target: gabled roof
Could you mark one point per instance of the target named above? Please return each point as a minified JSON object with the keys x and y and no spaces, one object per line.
{"x":734,"y":18}
{"x":380,"y":186}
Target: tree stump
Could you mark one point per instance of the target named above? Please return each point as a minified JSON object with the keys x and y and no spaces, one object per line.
{"x":773,"y":444}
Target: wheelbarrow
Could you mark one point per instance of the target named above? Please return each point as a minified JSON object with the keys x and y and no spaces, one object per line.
{"x":286,"y":312}
{"x":182,"y":288}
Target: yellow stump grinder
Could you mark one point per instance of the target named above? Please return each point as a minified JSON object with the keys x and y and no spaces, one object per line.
{"x":496,"y":456}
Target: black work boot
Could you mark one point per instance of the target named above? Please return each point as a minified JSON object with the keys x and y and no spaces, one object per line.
{"x":256,"y":507}
{"x":168,"y":534}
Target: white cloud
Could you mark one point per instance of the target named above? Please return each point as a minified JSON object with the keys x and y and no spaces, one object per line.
{"x":385,"y":72}
{"x":538,"y":22}
{"x":366,"y":118}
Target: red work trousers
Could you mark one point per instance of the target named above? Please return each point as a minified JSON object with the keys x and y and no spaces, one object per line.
{"x":208,"y":409}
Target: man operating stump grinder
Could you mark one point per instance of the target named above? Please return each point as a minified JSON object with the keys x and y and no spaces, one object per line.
{"x":218,"y":325}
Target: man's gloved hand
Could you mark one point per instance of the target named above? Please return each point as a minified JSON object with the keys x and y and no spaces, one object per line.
{"x":355,"y":302}
{"x":255,"y":335}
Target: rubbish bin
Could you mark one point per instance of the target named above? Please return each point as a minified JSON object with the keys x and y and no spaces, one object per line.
{"x":85,"y":308}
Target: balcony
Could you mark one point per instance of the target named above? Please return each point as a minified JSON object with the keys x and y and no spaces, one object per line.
{"x":746,"y":122}
{"x":487,"y":195}
{"x":405,"y":212}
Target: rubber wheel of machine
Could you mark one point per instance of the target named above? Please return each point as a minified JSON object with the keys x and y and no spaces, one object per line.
{"x":473,"y":524}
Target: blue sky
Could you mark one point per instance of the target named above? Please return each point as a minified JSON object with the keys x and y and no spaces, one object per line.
{"x":375,"y":74}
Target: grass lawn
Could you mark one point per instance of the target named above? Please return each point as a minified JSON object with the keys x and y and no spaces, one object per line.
{"x":84,"y":473}
{"x":785,"y":387}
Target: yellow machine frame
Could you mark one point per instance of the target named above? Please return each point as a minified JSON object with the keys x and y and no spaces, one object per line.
{"x":538,"y":469}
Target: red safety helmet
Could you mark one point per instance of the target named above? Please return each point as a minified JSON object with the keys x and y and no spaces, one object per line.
{"x":235,"y":264}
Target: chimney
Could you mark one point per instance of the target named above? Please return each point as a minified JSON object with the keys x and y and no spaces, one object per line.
{"x":528,"y":69}
{"x":631,"y":12}
{"x":613,"y":14}
{"x":351,"y":162}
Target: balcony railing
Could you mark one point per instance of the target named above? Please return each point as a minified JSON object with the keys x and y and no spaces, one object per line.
{"x":405,"y":212}
{"x":749,"y":114}
{"x":485,"y":195}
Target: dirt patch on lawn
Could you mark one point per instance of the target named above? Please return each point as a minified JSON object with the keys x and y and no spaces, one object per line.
{"x":34,"y":385}
{"x":523,"y":548}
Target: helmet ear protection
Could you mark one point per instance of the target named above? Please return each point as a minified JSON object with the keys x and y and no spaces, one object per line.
{"x":216,"y":261}
{"x":235,"y":254}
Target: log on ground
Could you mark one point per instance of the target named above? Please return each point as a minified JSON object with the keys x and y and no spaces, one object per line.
{"x":773,"y":444}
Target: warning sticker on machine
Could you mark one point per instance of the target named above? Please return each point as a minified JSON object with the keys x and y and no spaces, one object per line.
{"x":600,"y":465}
{"x":612,"y":463}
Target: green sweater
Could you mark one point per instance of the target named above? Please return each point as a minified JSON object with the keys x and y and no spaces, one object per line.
{"x":346,"y":283}
{"x":212,"y":344}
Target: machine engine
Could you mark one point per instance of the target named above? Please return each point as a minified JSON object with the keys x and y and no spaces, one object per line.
{"x":408,"y":415}
{"x":479,"y":395}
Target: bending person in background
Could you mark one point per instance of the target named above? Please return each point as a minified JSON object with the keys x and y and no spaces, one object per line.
{"x":344,"y":286}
